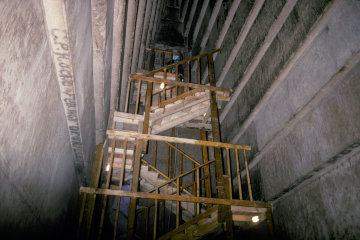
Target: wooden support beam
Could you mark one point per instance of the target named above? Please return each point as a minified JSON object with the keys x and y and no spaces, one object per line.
{"x":225,"y":213}
{"x":177,"y":140}
{"x":273,"y":31}
{"x":202,"y":200}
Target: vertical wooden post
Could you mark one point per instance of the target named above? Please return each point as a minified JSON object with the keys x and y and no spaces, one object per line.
{"x":188,"y":78}
{"x":140,"y":146}
{"x":248,"y":176}
{"x":177,"y":202}
{"x":198,"y":189}
{"x":162,"y":59}
{"x":269,"y":222}
{"x":172,"y":172}
{"x":224,"y":211}
{"x":163,"y":217}
{"x":168,"y":161}
{"x":155,"y":153}
{"x":198,"y":71}
{"x":238,"y":173}
{"x":147,"y":223}
{"x":107,"y":184}
{"x":180,"y":182}
{"x":116,"y":217}
{"x":229,"y":171}
{"x":94,"y":182}
{"x":164,"y":90}
{"x":194,"y":189}
{"x":155,"y":216}
{"x":138,"y":97}
{"x":205,"y":157}
{"x":127,"y":96}
{"x":81,"y":215}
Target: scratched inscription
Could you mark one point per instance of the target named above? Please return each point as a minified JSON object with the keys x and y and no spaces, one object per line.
{"x":62,"y":60}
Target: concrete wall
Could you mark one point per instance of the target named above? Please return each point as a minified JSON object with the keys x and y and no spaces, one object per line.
{"x":38,"y":181}
{"x":305,"y":135}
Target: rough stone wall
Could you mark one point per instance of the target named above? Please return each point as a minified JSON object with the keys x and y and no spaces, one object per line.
{"x":305,"y":137}
{"x":38,"y":183}
{"x":79,"y":24}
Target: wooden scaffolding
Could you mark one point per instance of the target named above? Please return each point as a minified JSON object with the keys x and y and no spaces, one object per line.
{"x":202,"y":199}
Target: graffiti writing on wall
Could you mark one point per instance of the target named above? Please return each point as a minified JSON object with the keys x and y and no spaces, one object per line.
{"x":60,"y":49}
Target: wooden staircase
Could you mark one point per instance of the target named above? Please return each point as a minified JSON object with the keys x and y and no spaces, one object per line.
{"x":157,"y":101}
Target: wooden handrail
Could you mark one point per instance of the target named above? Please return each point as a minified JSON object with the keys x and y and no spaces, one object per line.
{"x":181,"y":198}
{"x":177,"y":140}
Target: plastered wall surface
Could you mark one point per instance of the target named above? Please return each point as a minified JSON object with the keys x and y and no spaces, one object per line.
{"x":38,"y":181}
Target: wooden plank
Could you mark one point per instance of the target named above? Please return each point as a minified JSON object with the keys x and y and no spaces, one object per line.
{"x":187,"y":103}
{"x":172,"y":156}
{"x":219,"y":90}
{"x":241,"y":209}
{"x":177,"y":140}
{"x":128,"y":116}
{"x":205,"y":126}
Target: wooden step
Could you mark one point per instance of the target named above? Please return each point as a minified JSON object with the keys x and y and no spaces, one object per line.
{"x":179,"y":118}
